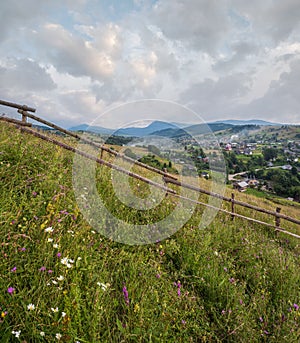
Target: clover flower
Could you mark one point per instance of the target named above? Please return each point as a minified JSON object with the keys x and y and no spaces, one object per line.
{"x":10,"y":290}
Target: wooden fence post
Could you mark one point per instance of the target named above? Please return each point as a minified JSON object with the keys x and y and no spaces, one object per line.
{"x":24,"y":118}
{"x":277,"y":219}
{"x":232,"y":205}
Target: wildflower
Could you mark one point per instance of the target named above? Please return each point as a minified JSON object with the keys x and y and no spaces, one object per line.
{"x":60,"y":278}
{"x":261,"y":319}
{"x":296,"y":307}
{"x":31,"y":307}
{"x":231,"y":280}
{"x":13,"y":269}
{"x":58,"y":254}
{"x":23,"y":249}
{"x":58,"y":336}
{"x":79,"y":258}
{"x":55,"y":246}
{"x":49,"y":229}
{"x":63,"y":314}
{"x":67,"y":262}
{"x":54,"y":282}
{"x":49,"y":240}
{"x":42,"y":269}
{"x":64,"y":260}
{"x":42,"y":333}
{"x":16,"y":333}
{"x":125,"y":293}
{"x":102,"y":285}
{"x":178,"y":285}
{"x":50,"y":271}
{"x":54,"y":310}
{"x":225,"y":269}
{"x":10,"y":290}
{"x":157,"y":275}
{"x":34,"y":194}
{"x":3,"y":314}
{"x":266,"y":332}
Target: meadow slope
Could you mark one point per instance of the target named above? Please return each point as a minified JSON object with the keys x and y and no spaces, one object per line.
{"x":60,"y":280}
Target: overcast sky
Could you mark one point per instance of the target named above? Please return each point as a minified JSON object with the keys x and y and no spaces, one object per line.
{"x":223,"y":59}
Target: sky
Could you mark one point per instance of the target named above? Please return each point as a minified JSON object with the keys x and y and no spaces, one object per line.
{"x":223,"y":59}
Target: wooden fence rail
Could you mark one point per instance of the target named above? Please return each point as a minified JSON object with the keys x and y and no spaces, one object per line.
{"x":95,"y":145}
{"x":167,"y":178}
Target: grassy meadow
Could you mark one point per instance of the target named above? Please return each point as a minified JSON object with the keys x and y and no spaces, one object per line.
{"x":62,"y":281}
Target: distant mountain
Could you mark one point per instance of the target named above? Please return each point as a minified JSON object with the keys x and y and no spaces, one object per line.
{"x":93,"y":129}
{"x":247,"y":122}
{"x":145,"y":131}
{"x":197,"y":129}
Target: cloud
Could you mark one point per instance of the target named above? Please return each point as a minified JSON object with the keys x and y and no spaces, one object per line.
{"x":281,"y":101}
{"x":72,"y":54}
{"x":220,"y":57}
{"x":25,"y":75}
{"x":201,"y":24}
{"x":217,"y":97}
{"x":277,"y":20}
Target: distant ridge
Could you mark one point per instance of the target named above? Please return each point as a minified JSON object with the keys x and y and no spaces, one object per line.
{"x":93,"y":129}
{"x":247,"y":122}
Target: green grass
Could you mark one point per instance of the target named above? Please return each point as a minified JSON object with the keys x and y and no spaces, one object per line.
{"x":238,"y":282}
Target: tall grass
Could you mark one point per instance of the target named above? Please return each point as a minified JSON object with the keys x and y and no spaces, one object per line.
{"x":62,"y":281}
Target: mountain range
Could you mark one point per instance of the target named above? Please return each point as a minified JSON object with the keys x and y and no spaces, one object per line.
{"x":161,"y":128}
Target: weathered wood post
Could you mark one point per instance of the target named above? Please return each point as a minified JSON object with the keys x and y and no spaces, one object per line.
{"x":232,"y":206}
{"x":24,"y":117}
{"x":277,"y":219}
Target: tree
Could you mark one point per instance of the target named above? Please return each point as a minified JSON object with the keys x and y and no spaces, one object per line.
{"x":270,"y":153}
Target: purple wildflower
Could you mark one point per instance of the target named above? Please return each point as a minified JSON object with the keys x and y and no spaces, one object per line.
{"x":34,"y":194}
{"x":266,"y":332}
{"x":296,"y":307}
{"x":50,"y":271}
{"x":178,"y":285}
{"x":10,"y":290}
{"x":23,"y":249}
{"x":183,"y":322}
{"x":261,"y":319}
{"x":58,"y":254}
{"x":13,"y":269}
{"x":125,"y":293}
{"x":231,"y":280}
{"x":42,"y":269}
{"x":157,"y":275}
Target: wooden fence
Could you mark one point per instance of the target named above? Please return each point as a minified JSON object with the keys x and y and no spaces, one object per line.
{"x":167,"y":178}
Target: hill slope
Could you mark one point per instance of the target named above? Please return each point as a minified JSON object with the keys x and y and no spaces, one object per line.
{"x":232,"y":282}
